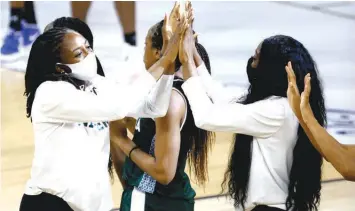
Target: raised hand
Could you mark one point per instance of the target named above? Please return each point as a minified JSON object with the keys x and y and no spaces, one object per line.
{"x":305,"y":107}
{"x":293,"y":94}
{"x":171,"y":22}
{"x":187,"y":46}
{"x":173,"y":44}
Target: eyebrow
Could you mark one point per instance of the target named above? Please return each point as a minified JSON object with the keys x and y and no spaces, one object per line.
{"x":76,"y":49}
{"x":86,"y":42}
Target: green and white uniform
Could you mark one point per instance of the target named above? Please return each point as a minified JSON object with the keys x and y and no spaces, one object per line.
{"x":144,"y":193}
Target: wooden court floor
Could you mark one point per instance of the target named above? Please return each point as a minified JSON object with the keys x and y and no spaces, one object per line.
{"x":17,"y":153}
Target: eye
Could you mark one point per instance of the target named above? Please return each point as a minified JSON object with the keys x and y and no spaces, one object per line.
{"x":77,"y":55}
{"x":88,"y":47}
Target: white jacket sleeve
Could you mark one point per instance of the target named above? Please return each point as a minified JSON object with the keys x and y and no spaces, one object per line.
{"x":214,"y":89}
{"x":156,"y":104}
{"x":61,"y":102}
{"x":260,"y":119}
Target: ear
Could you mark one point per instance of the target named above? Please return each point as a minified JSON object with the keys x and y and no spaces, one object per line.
{"x":157,"y":54}
{"x":61,"y":68}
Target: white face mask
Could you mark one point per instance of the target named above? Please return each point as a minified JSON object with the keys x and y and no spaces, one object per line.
{"x":84,"y":70}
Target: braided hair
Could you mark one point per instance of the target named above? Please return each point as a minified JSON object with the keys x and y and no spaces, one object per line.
{"x":82,"y":28}
{"x":305,"y":176}
{"x":44,"y":55}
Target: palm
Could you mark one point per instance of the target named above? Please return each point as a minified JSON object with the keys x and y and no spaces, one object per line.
{"x":306,"y":109}
{"x":171,"y":22}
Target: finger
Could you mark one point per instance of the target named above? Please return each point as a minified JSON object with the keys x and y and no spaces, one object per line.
{"x":176,"y":8}
{"x":307,"y":85}
{"x":166,"y":19}
{"x":187,"y":5}
{"x":176,"y":5}
{"x":293,"y":76}
{"x":288,"y":74}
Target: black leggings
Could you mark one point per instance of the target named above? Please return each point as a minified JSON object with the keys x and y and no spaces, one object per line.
{"x":266,"y":208}
{"x":43,"y":202}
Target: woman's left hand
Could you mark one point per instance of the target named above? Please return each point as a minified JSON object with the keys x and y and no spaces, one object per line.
{"x":306,"y":109}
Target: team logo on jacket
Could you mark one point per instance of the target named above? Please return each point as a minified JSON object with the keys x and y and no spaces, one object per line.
{"x":95,"y":125}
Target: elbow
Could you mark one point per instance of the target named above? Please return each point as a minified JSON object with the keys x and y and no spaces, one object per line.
{"x":165,"y":176}
{"x":349,"y":174}
{"x":165,"y":180}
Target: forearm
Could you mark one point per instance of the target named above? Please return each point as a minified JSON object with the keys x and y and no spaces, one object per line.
{"x":160,"y":67}
{"x":189,"y":69}
{"x":144,"y":161}
{"x":157,"y":102}
{"x":340,"y":156}
{"x":118,"y":159}
{"x":214,"y":89}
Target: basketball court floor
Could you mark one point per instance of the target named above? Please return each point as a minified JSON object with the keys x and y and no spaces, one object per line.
{"x":230,"y":31}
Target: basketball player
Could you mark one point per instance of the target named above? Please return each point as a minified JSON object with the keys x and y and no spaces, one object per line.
{"x":23,"y":30}
{"x":125,"y":9}
{"x":69,"y":106}
{"x":341,"y":156}
{"x":153,"y":173}
{"x":273,"y":165}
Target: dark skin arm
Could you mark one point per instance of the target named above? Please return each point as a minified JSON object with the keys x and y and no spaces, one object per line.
{"x":167,"y":146}
{"x":117,"y":130}
{"x":342,"y":157}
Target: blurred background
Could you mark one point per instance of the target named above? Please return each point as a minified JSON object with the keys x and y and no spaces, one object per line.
{"x":230,"y":31}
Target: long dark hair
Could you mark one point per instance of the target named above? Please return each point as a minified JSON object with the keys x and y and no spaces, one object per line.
{"x":44,"y":55}
{"x":305,"y":176}
{"x":82,"y":28}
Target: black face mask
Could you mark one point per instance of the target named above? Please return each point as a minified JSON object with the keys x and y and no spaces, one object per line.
{"x":251,"y":72}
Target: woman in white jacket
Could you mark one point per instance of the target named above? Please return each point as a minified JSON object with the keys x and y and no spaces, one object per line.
{"x":69,"y":105}
{"x":273,"y":165}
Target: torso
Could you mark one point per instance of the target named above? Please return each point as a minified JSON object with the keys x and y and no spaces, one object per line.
{"x":70,"y":161}
{"x":144,"y":135}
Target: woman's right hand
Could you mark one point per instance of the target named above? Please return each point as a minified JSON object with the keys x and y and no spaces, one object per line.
{"x":187,"y":47}
{"x":173,"y":44}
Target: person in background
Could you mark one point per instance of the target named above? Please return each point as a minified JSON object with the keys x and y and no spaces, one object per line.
{"x":23,"y":30}
{"x":341,"y":156}
{"x":126,"y":10}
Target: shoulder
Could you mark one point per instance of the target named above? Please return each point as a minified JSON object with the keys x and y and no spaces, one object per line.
{"x":50,"y":86}
{"x":176,"y":110}
{"x":52,"y":90}
{"x":177,"y":103}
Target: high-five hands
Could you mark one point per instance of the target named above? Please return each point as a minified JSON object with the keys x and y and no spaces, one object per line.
{"x":178,"y":23}
{"x":299,"y":103}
